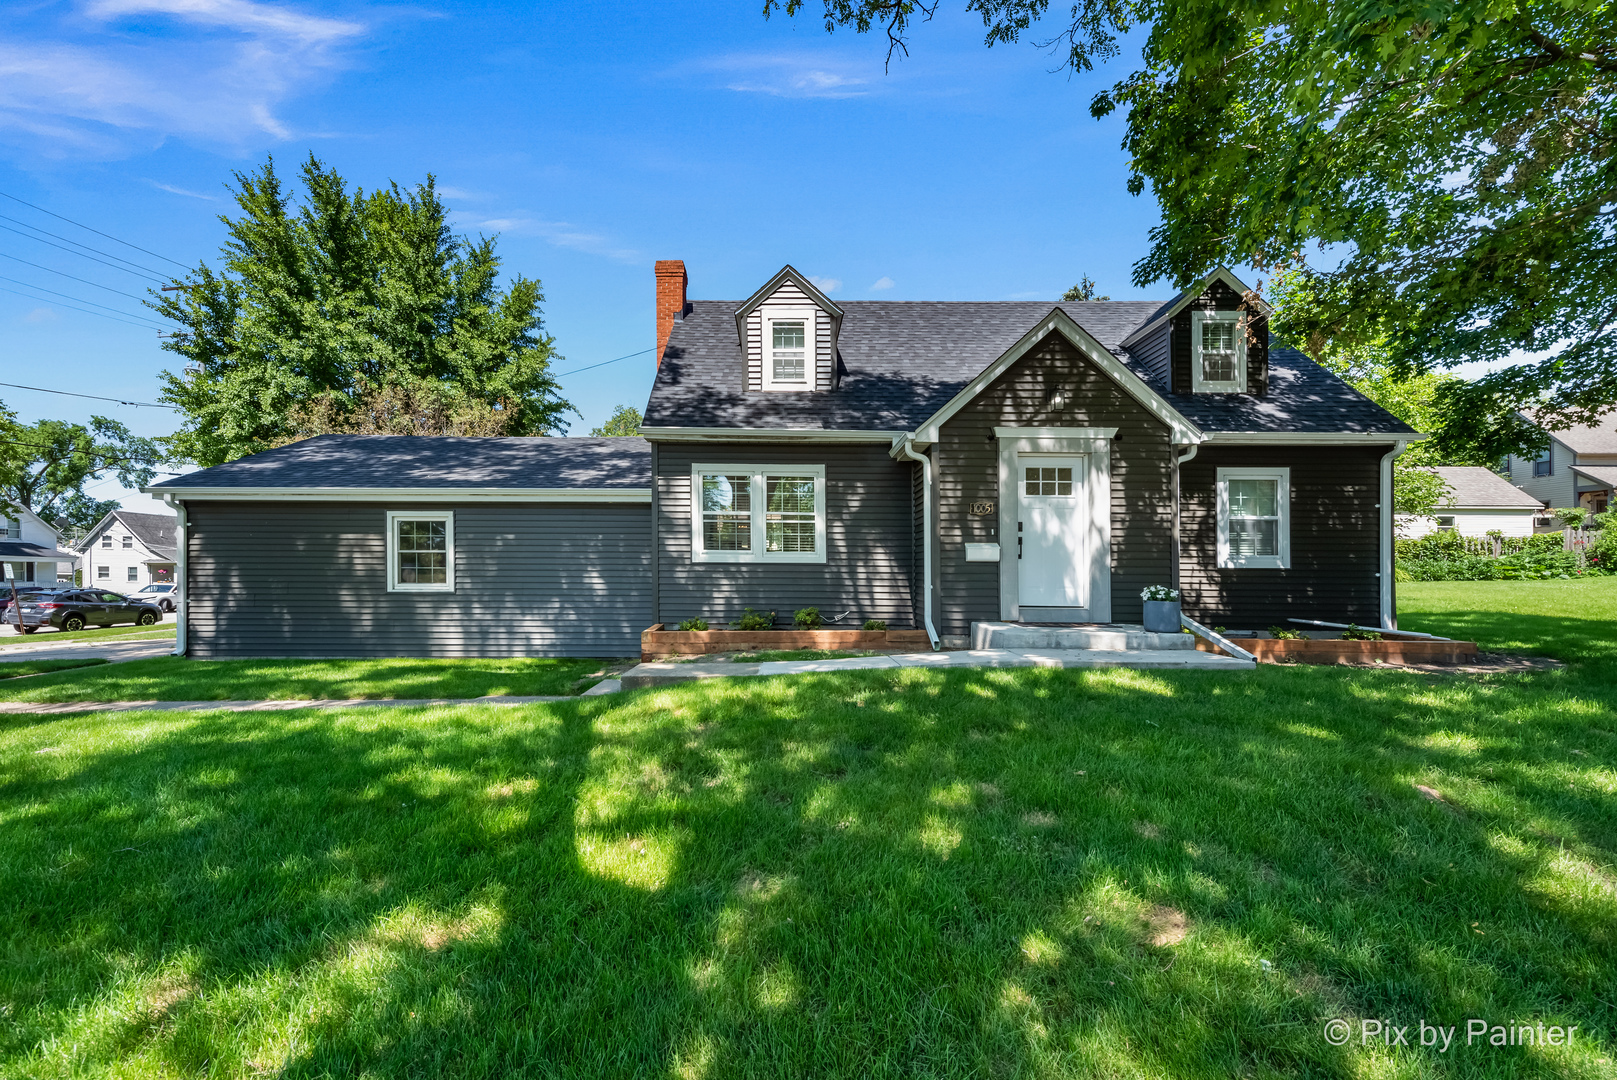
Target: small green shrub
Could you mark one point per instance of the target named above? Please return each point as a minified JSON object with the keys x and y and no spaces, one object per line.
{"x":1281,"y":633}
{"x":755,"y":620}
{"x":693,"y":624}
{"x":875,"y":624}
{"x":1355,"y":632}
{"x":807,"y":618}
{"x":1571,"y":516}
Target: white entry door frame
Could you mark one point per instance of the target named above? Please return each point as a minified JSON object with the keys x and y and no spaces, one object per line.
{"x":1085,"y":587}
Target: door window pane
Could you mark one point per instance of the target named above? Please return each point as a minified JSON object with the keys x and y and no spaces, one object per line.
{"x":789,"y":513}
{"x":726,"y":512}
{"x":423,"y":552}
{"x":789,"y":350}
{"x":1049,"y":481}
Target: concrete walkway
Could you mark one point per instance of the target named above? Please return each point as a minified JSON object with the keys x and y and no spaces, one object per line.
{"x":665,"y":674}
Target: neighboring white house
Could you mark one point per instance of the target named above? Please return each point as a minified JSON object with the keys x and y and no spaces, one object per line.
{"x":29,"y":551}
{"x":1578,"y":469}
{"x":1481,"y":500}
{"x":127,"y":551}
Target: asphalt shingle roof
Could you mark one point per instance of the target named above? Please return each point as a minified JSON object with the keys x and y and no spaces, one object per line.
{"x":1597,"y":438}
{"x":424,"y":461}
{"x":156,"y":531}
{"x":1475,"y":487}
{"x":904,"y":360}
{"x":22,"y":551}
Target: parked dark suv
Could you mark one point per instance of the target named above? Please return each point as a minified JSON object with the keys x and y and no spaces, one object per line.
{"x":83,"y":607}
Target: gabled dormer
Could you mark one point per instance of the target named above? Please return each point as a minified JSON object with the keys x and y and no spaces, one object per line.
{"x":788,"y":330}
{"x":1213,"y":338}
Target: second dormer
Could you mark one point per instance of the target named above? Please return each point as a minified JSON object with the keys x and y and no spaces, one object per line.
{"x":1213,"y":338}
{"x":788,"y":331}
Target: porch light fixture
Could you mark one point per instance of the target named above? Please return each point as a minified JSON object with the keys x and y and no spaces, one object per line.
{"x":1058,"y":399}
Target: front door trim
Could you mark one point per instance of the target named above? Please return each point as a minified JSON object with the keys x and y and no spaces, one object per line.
{"x":1096,"y":443}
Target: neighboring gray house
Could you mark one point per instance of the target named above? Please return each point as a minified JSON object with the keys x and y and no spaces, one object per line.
{"x":126,"y":551}
{"x":928,"y":464}
{"x":1480,"y":501}
{"x":1578,"y":469}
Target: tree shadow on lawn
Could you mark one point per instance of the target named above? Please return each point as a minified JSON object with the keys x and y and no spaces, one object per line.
{"x":962,"y":873}
{"x":1561,"y":637}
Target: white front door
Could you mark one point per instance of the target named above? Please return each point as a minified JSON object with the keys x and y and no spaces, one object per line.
{"x":1053,"y":570}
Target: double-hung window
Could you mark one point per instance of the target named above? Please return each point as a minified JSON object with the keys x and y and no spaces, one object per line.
{"x":420,"y":551}
{"x":758,"y":513}
{"x":1254,"y":518}
{"x":1544,"y":464}
{"x":1217,"y":352}
{"x":789,"y":349}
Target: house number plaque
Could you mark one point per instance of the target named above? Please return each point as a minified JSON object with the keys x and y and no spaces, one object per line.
{"x":982,"y":508}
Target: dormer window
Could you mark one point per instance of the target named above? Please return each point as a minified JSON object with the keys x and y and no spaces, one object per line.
{"x":1217,"y":352}
{"x":789,"y":349}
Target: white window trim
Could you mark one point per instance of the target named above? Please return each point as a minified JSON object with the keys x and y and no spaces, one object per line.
{"x":808,"y":316}
{"x":1200,"y":385}
{"x":1281,"y":561}
{"x":757,"y":552}
{"x":448,"y":518}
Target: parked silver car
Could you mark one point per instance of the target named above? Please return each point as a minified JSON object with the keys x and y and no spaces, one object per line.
{"x":165,"y":594}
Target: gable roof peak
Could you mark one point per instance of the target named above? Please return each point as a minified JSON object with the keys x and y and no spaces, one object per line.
{"x":785,"y":274}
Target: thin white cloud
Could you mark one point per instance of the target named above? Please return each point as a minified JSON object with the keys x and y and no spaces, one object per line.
{"x":563,"y":235}
{"x":883,"y":283}
{"x":172,"y":190}
{"x":826,"y":284}
{"x":41,"y":315}
{"x":218,"y":71}
{"x":793,"y":75}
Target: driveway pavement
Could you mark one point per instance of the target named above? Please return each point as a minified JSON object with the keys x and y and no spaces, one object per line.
{"x":41,"y":647}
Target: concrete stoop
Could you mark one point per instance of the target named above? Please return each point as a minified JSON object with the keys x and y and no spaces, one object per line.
{"x":1113,"y":637}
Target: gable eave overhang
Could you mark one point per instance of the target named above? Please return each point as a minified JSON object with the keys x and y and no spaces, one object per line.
{"x":401,"y":494}
{"x":1314,"y":438}
{"x":785,"y":274}
{"x":1224,"y":274}
{"x":796,"y":435}
{"x":1059,"y":322}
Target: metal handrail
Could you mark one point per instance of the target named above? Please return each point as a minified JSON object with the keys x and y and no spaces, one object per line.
{"x":1217,"y":639}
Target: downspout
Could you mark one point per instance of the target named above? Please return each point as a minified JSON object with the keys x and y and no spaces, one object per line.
{"x":181,"y":544}
{"x":906,"y":449}
{"x":1388,"y":575}
{"x":1190,"y":452}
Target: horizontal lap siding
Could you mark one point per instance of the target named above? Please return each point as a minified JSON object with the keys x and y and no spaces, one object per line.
{"x":869,"y":564}
{"x":967,"y":461}
{"x":1335,"y":540}
{"x":310,"y":579}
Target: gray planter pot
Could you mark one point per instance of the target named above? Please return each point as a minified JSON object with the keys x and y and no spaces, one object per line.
{"x":1162,"y":616}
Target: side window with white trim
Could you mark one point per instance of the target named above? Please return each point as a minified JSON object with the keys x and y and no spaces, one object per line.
{"x":1254,"y":518}
{"x":1217,"y":352}
{"x":420,"y":551}
{"x":758,"y":513}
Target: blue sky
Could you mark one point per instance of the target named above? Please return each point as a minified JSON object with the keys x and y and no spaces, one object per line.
{"x":593,"y":138}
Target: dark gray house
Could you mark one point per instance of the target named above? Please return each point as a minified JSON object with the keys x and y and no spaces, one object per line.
{"x":930,"y":464}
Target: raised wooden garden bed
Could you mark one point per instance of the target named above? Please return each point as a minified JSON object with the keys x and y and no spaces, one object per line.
{"x":1337,"y":651}
{"x":657,"y":643}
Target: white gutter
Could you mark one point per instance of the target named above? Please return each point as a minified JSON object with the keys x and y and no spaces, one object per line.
{"x":1389,"y":604}
{"x":421,"y":495}
{"x":184,"y":586}
{"x":905,"y":449}
{"x":1316,"y":438}
{"x":755,"y":435}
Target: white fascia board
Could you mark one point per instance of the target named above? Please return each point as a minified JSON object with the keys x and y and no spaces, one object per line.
{"x":1314,"y":438}
{"x":1059,"y":321}
{"x":419,"y":495}
{"x":796,"y":435}
{"x":1223,"y":274}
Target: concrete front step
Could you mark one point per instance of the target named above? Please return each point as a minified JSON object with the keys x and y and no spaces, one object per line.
{"x":1118,"y":637}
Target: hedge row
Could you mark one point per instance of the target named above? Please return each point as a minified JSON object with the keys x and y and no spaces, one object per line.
{"x":1532,"y":559}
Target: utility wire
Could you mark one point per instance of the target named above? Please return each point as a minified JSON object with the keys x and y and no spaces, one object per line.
{"x":106,"y":459}
{"x":75,"y":307}
{"x":85,"y":281}
{"x":98,"y":232}
{"x":603,"y":363}
{"x":39,"y":288}
{"x":95,"y":397}
{"x":75,"y":243}
{"x":82,"y":255}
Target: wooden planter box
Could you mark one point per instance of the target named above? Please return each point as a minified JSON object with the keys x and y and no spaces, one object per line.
{"x":1336,"y":651}
{"x":657,"y":643}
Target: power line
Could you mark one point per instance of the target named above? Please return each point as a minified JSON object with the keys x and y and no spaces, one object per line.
{"x":105,"y":459}
{"x":95,"y":397}
{"x":75,"y":307}
{"x":82,"y":255}
{"x":75,"y":243}
{"x":85,"y":281}
{"x":81,"y":300}
{"x":603,"y":363}
{"x":98,"y":232}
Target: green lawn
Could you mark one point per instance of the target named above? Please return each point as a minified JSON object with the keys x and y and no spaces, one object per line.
{"x":16,"y":669}
{"x":173,"y":678}
{"x":1569,"y":620}
{"x":892,"y":873}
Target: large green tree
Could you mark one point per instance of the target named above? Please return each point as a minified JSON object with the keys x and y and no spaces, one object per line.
{"x":45,"y":466}
{"x":331,"y":300}
{"x":1450,"y":169}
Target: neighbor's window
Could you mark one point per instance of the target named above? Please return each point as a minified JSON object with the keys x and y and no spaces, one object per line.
{"x":106,"y":541}
{"x":1544,"y":464}
{"x":103,"y":571}
{"x":129,"y":541}
{"x":789,"y":349}
{"x":420,"y":551}
{"x":1446,"y":522}
{"x":1254,"y":518}
{"x":13,"y":529}
{"x":134,"y":573}
{"x":1218,"y":352}
{"x":753,"y":513}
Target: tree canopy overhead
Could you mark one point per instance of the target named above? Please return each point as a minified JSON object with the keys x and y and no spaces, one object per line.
{"x":330,"y":302}
{"x":1448,"y":170}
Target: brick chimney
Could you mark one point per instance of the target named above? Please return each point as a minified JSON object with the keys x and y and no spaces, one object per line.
{"x":670,"y":300}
